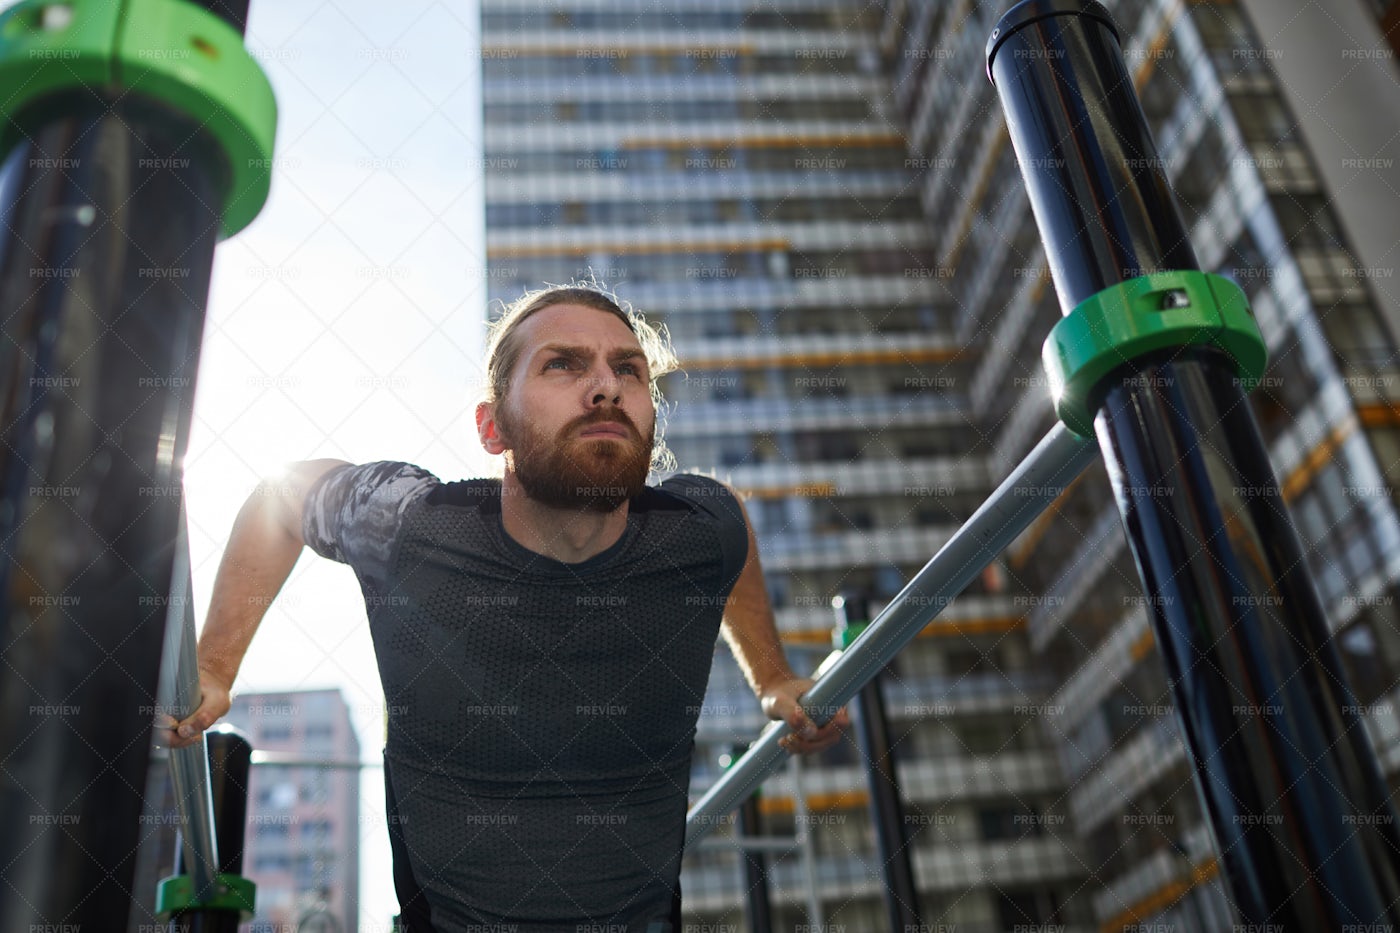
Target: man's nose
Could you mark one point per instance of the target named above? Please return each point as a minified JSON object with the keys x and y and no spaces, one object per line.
{"x":605,"y":386}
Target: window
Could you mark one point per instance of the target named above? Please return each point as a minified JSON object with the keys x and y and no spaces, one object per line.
{"x":1027,"y":909}
{"x":1358,"y":336}
{"x":1013,"y":821}
{"x":1307,"y":222}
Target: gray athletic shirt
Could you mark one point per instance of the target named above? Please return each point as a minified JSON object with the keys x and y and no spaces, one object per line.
{"x":541,"y":715}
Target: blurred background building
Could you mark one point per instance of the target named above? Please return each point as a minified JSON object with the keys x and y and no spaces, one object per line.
{"x":820,"y":201}
{"x":302,"y":844}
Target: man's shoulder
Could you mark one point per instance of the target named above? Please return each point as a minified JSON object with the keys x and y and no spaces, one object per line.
{"x":693,"y":492}
{"x":467,"y":493}
{"x":693,"y":484}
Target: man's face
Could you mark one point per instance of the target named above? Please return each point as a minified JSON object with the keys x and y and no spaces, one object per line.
{"x":577,"y":422}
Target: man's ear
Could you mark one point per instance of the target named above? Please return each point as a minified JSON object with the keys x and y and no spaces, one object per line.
{"x":488,"y":429}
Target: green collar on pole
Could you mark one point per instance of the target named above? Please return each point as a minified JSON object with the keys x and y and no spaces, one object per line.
{"x":234,"y":893}
{"x":169,"y":50}
{"x":1146,"y":313}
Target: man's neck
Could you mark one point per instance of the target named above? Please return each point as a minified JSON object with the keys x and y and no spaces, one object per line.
{"x":570,"y":536}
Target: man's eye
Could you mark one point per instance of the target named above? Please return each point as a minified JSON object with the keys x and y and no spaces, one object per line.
{"x":558,"y":362}
{"x":628,"y":369}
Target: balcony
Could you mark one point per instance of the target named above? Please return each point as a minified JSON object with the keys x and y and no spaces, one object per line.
{"x":739,"y":236}
{"x":1097,"y":549}
{"x":780,"y":414}
{"x":813,"y":551}
{"x":1140,"y":760}
{"x":928,"y":476}
{"x":734,"y":184}
{"x":609,"y":88}
{"x":622,"y":135}
{"x":944,"y":869}
{"x":818,"y":351}
{"x":1103,"y":671}
{"x":961,"y":613}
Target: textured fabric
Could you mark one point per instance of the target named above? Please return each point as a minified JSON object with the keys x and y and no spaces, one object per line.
{"x":541,"y":714}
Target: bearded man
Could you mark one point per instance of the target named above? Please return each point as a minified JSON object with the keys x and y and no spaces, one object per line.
{"x":544,"y":640}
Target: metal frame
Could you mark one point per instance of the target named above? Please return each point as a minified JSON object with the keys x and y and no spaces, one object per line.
{"x":1036,"y":482}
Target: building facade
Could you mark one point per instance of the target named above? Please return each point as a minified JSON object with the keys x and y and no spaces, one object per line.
{"x":302,"y":844}
{"x":1255,"y":196}
{"x":819,"y":200}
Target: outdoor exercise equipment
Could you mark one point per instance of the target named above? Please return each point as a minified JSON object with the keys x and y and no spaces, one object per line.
{"x":134,"y":136}
{"x":139,"y":133}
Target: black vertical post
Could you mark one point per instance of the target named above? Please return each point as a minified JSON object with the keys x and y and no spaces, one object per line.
{"x":111,"y":210}
{"x":230,"y":760}
{"x":1294,"y":794}
{"x":886,"y":810}
{"x":758,"y":901}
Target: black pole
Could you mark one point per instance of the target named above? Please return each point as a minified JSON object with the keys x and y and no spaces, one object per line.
{"x":886,"y":810}
{"x":111,"y":210}
{"x":230,"y":760}
{"x":104,"y":268}
{"x":1293,"y":792}
{"x":758,"y":900}
{"x":233,"y":12}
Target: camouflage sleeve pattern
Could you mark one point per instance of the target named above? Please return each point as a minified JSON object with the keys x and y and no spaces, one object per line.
{"x":353,"y":513}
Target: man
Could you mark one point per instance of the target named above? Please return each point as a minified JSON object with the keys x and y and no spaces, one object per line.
{"x":544,"y":640}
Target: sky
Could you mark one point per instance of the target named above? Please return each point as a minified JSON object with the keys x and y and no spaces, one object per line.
{"x":346,"y":321}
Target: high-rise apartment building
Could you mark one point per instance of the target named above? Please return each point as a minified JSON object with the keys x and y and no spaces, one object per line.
{"x":819,"y":199}
{"x":302,"y":843}
{"x":1256,"y":198}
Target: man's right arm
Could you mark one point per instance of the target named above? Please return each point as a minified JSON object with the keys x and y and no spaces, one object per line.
{"x":263,"y":547}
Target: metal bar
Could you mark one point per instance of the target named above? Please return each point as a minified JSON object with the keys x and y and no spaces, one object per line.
{"x":901,"y":897}
{"x":758,"y":903}
{"x":1299,"y":810}
{"x":189,"y":766}
{"x":1035,"y":483}
{"x":816,"y":919}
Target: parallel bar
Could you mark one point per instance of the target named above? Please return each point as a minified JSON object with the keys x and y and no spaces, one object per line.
{"x":758,"y":902}
{"x":816,"y":919}
{"x":189,"y":766}
{"x":1039,"y":479}
{"x":901,"y":896}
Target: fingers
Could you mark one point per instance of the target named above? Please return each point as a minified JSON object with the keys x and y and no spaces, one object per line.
{"x":808,"y":738}
{"x":165,"y":736}
{"x":189,"y":730}
{"x":213,"y":703}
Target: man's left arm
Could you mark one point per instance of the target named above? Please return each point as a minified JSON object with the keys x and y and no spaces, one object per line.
{"x":753,"y":638}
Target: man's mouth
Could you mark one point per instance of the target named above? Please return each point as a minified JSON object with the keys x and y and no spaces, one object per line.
{"x":607,"y":429}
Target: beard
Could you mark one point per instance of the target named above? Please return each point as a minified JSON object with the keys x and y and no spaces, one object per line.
{"x":582,"y":474}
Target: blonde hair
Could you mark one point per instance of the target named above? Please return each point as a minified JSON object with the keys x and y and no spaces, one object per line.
{"x":503,"y":347}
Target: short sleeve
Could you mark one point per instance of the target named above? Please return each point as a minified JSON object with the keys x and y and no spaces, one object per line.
{"x":353,"y":514}
{"x":718,"y":501}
